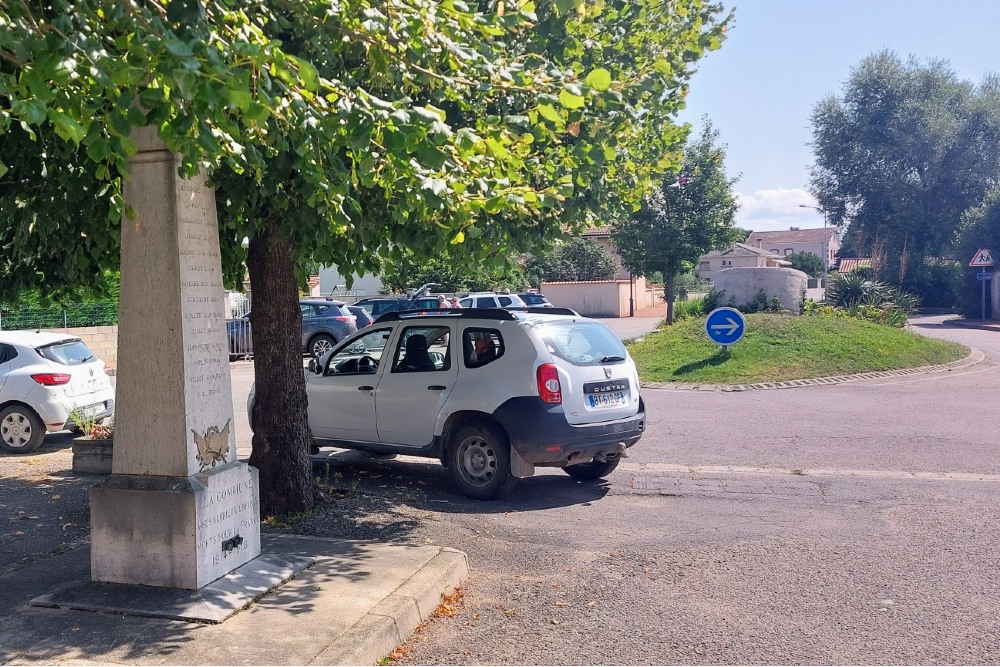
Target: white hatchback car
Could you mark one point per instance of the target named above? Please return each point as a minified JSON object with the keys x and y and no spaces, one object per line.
{"x":44,"y":379}
{"x":491,"y":393}
{"x":492,"y":300}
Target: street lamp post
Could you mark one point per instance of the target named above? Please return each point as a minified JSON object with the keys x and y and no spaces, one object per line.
{"x":826,"y":249}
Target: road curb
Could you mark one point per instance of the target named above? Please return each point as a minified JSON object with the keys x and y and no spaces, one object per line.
{"x":395,"y":618}
{"x":974,"y":357}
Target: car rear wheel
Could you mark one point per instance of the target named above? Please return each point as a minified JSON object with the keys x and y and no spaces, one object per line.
{"x":21,"y":431}
{"x":592,"y":470}
{"x":320,"y":345}
{"x":479,"y":462}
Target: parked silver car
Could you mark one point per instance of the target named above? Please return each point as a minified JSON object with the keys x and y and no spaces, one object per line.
{"x":325,"y":323}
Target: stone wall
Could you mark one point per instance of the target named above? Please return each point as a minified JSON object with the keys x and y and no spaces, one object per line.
{"x":102,"y":341}
{"x":743,"y":284}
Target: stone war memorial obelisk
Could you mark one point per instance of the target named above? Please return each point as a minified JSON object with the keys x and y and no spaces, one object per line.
{"x":179,"y":510}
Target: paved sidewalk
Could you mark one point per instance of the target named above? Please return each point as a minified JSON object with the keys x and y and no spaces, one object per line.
{"x":354,"y":605}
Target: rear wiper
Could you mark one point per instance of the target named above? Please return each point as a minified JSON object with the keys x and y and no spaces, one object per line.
{"x":86,"y":359}
{"x":609,"y":359}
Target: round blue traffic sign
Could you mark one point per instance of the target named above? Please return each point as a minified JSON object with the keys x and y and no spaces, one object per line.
{"x":725,"y":326}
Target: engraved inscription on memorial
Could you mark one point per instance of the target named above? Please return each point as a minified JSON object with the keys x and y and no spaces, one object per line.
{"x":205,"y":345}
{"x":229,"y":524}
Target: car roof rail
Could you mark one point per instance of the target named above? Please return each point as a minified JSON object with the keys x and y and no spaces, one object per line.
{"x":545,"y":310}
{"x":486,"y":313}
{"x":483,"y":313}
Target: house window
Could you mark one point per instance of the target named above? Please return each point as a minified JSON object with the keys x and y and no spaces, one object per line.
{"x":727,"y":262}
{"x":789,"y":251}
{"x":774,"y":251}
{"x":704,"y":266}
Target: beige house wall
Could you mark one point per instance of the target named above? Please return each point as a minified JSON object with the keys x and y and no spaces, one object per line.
{"x":738,"y":262}
{"x":786,"y":248}
{"x":601,"y":298}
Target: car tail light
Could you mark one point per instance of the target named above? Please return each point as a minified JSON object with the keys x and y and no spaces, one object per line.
{"x":548,"y":384}
{"x":345,"y":318}
{"x":51,"y":379}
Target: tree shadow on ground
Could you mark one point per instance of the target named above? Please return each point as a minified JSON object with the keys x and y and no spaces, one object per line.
{"x":716,"y":359}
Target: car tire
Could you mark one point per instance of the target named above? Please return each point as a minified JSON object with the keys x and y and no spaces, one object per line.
{"x":21,"y":431}
{"x":320,"y":345}
{"x":479,"y":462}
{"x":592,"y":470}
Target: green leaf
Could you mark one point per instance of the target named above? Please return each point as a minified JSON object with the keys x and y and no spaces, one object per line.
{"x":570,"y":101}
{"x":599,"y":79}
{"x":458,"y":238}
{"x":549,"y":113}
{"x":67,"y":128}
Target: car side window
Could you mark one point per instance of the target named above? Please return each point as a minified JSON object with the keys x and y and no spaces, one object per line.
{"x":7,"y":352}
{"x":506,"y":301}
{"x":360,"y":356}
{"x":466,"y":303}
{"x":307,"y":310}
{"x":422,"y":350}
{"x":487,"y":302}
{"x":481,"y":346}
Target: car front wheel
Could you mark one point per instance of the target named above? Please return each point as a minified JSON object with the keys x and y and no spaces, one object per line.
{"x":21,"y":431}
{"x":479,"y":462}
{"x":592,"y":470}
{"x":320,"y":345}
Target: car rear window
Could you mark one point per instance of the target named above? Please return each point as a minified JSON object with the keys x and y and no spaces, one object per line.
{"x":583,"y":343}
{"x":533,"y":299}
{"x":70,"y":353}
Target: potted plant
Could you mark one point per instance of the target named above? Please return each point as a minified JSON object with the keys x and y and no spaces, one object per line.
{"x":92,"y":451}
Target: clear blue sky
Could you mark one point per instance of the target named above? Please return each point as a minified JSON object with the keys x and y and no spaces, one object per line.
{"x":783,"y":56}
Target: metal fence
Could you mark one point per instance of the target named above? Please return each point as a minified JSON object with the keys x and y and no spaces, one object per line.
{"x":94,"y":314}
{"x":238,"y":326}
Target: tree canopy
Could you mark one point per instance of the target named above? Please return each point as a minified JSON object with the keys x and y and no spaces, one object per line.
{"x":808,"y":262}
{"x":901,"y":153}
{"x":688,"y":215}
{"x":347,"y":133}
{"x":578,"y":258}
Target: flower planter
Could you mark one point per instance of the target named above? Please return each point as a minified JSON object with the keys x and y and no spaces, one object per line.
{"x":92,"y":456}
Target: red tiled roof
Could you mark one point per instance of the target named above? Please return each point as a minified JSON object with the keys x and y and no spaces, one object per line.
{"x":848,"y":264}
{"x":597,"y":231}
{"x":791,"y":236}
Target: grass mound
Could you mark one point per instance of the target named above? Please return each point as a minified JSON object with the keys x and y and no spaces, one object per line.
{"x":785,"y":347}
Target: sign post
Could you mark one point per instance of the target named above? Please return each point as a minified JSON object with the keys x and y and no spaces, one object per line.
{"x":725,"y":326}
{"x":983,"y":258}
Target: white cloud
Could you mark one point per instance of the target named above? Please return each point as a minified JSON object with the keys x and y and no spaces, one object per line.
{"x":777,"y":209}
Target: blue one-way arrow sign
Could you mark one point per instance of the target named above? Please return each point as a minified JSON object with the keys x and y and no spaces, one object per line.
{"x":725,"y":326}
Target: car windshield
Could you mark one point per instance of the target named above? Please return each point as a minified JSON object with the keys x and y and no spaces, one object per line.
{"x":70,"y":353}
{"x":533,"y":299}
{"x":583,"y":343}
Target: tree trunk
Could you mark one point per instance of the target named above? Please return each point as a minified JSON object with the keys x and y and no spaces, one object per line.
{"x":669,"y":294}
{"x":281,"y":435}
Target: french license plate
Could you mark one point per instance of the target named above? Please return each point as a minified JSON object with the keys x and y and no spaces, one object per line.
{"x":612,"y":399}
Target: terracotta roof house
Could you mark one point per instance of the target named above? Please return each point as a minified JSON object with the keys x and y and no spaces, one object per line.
{"x":822,"y":242}
{"x":738,"y":255}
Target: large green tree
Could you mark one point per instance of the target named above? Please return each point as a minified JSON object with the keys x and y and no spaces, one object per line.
{"x":901,"y":153}
{"x":688,"y":215}
{"x":337,"y":132}
{"x":577,"y":258}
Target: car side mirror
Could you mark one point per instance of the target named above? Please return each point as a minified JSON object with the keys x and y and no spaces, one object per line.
{"x":313,"y":366}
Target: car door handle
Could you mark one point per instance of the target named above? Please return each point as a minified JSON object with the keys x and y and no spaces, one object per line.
{"x":366,"y":388}
{"x":437,"y":387}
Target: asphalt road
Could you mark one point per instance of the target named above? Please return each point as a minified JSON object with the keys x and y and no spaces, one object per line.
{"x":841,"y":524}
{"x":853,"y":523}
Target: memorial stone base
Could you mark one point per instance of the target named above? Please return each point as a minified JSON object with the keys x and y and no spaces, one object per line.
{"x":178,"y":532}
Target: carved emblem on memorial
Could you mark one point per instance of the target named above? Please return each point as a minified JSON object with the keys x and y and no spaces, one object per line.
{"x":213,"y":446}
